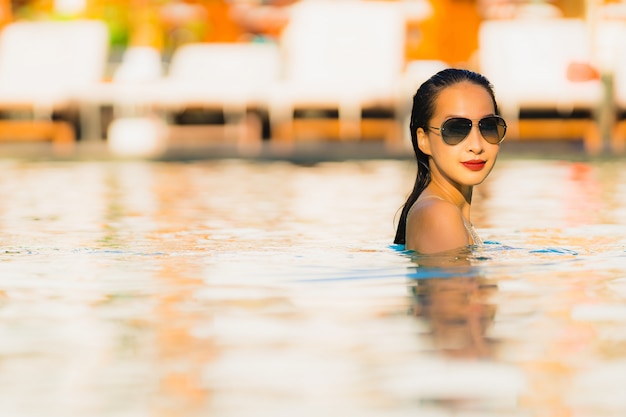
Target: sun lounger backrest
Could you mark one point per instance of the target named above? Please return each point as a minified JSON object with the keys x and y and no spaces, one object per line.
{"x":139,"y":63}
{"x":351,"y":41}
{"x":241,"y":63}
{"x":532,"y":53}
{"x":52,"y":56}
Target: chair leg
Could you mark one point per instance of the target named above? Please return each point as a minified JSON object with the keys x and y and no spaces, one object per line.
{"x":251,"y":136}
{"x":281,"y":122}
{"x":394,"y":140}
{"x":618,"y":137}
{"x":349,"y":120}
{"x":63,"y":138}
{"x":592,"y":139}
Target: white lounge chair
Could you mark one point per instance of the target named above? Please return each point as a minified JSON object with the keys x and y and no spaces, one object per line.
{"x":530,"y":63}
{"x":343,"y":61}
{"x":212,"y":93}
{"x":139,"y":64}
{"x":226,"y":80}
{"x":43,"y":67}
{"x":124,"y":95}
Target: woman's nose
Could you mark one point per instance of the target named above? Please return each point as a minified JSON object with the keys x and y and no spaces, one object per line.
{"x":475,"y":140}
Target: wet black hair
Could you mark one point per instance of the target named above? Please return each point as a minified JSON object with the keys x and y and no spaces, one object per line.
{"x":424,"y":103}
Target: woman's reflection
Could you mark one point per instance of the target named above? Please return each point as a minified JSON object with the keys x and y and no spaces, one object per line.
{"x":455,"y":306}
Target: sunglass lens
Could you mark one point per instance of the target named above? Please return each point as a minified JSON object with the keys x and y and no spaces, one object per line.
{"x":493,"y":129}
{"x":455,"y":130}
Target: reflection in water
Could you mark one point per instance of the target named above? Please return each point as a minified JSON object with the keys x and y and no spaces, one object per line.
{"x":458,"y":314}
{"x":166,"y":202}
{"x":182,"y":354}
{"x":232,"y":288}
{"x":451,"y":299}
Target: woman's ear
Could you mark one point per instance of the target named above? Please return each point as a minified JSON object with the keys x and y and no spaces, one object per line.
{"x":423,"y":141}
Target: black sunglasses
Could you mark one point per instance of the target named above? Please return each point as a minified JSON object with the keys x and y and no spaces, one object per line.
{"x":454,"y":131}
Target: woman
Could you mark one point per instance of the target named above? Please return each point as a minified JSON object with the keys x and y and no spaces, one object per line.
{"x":456,"y":134}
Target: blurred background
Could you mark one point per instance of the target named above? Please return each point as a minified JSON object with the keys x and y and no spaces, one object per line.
{"x":279,"y":72}
{"x":436,"y":29}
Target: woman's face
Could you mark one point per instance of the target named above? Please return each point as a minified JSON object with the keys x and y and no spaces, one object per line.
{"x":469,"y":162}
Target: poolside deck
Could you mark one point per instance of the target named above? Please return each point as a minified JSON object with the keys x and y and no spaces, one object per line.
{"x":300,"y":152}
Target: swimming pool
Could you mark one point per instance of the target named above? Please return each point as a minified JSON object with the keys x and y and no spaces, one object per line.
{"x":238,"y":288}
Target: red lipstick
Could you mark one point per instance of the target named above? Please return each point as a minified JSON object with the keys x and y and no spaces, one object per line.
{"x":474,"y":165}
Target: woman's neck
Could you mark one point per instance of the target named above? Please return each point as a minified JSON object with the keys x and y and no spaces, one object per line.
{"x":461,"y":196}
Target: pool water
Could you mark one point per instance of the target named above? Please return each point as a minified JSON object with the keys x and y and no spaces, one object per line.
{"x":241,"y":288}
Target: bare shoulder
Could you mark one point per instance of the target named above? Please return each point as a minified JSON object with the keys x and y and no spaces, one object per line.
{"x":437,"y":215}
{"x":435,"y":225}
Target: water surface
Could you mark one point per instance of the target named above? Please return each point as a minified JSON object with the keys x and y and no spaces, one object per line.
{"x":238,"y":288}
